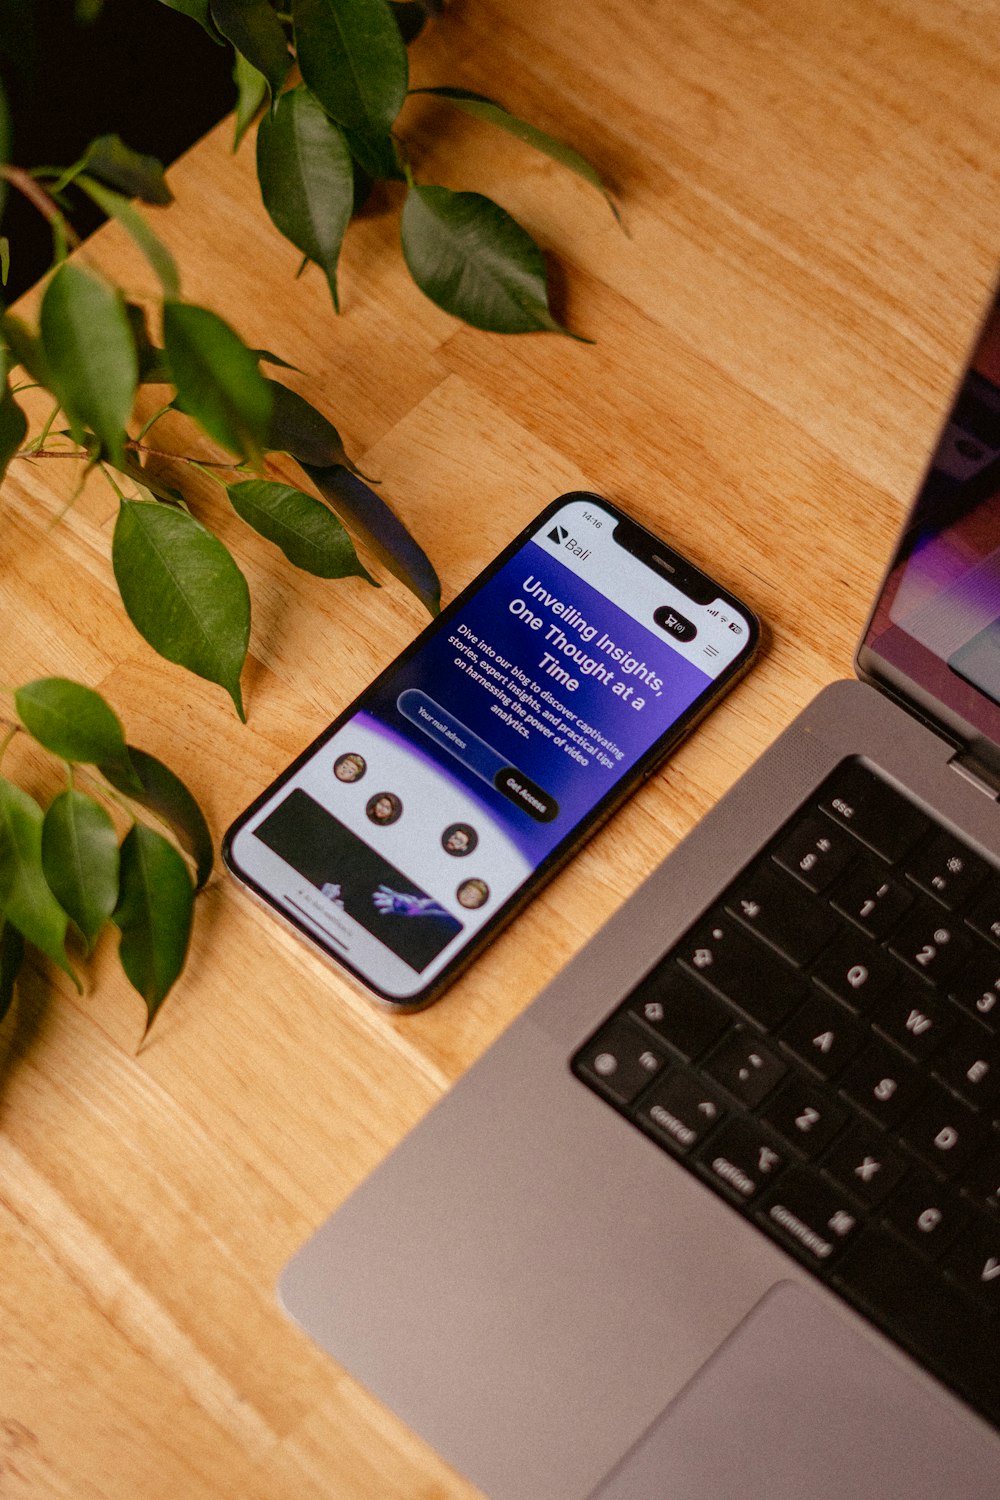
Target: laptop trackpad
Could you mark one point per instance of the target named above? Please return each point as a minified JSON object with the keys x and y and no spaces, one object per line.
{"x":798,"y":1403}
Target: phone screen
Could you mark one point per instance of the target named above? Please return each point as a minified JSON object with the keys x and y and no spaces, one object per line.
{"x":417,"y":821}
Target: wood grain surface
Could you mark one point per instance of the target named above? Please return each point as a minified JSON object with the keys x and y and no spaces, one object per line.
{"x":811,"y":190}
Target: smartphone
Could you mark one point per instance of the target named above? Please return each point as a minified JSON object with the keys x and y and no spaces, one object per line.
{"x":430,"y":811}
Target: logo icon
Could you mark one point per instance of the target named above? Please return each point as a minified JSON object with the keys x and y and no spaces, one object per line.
{"x":558,"y":534}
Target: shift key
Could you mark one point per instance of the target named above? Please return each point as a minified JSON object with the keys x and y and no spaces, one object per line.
{"x":723,"y":955}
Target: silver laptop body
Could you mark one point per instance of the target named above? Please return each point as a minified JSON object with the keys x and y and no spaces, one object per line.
{"x":559,"y":1305}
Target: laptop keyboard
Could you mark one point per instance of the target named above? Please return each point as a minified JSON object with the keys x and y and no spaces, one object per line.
{"x":822,"y":1049}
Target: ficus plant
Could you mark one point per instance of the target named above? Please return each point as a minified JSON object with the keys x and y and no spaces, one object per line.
{"x":95,"y":856}
{"x":328,"y":80}
{"x":335,"y":127}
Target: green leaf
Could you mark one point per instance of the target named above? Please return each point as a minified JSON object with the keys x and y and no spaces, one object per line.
{"x":217,"y":378}
{"x":469,"y":256}
{"x":302,"y":526}
{"x":183,"y":592}
{"x":255,"y":31}
{"x":72,"y":721}
{"x":483,"y":108}
{"x":137,"y":176}
{"x":90,"y":353}
{"x":266,"y":357}
{"x":151,"y":488}
{"x":13,"y":429}
{"x":165,"y":794}
{"x":251,"y":91}
{"x":298,"y":429}
{"x":198,"y":11}
{"x":152,"y":361}
{"x":379,"y":528}
{"x":132,"y":221}
{"x":25,"y":897}
{"x":26,"y":349}
{"x":306,"y":179}
{"x":353,"y":59}
{"x":377,"y":155}
{"x":11,"y":959}
{"x":80,"y":861}
{"x":153,"y":915}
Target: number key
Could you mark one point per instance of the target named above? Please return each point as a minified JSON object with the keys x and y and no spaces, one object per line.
{"x":931,"y":943}
{"x":870,"y":897}
{"x":977,"y":988}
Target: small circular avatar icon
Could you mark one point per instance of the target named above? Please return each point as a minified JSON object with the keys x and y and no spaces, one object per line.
{"x":459,"y":839}
{"x":350,"y":767}
{"x":473,"y":893}
{"x":384,"y":808}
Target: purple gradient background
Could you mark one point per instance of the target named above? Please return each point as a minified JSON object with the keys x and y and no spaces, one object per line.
{"x":576,"y":788}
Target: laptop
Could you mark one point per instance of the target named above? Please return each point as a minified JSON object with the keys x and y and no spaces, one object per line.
{"x":718,"y":1217}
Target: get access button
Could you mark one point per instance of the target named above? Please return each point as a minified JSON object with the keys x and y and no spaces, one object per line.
{"x":526,"y":794}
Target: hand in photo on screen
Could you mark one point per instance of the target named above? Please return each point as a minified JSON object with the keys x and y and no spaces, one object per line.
{"x":404,"y":904}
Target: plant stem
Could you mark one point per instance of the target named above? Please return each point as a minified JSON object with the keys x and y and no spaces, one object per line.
{"x":151,"y":421}
{"x":112,"y":481}
{"x":37,"y":442}
{"x":133,"y":447}
{"x":11,"y":731}
{"x":60,"y":515}
{"x":203,"y":469}
{"x":66,"y":177}
{"x":43,"y":201}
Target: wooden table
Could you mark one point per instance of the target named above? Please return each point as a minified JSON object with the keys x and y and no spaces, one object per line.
{"x":812,"y":194}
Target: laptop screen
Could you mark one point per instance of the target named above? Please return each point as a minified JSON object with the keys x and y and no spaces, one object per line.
{"x":934,"y":636}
